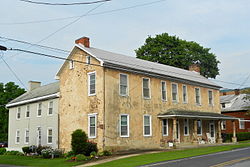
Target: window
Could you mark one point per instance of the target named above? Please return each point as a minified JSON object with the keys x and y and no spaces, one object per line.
{"x":241,"y":123}
{"x":147,"y":125}
{"x":27,"y":115}
{"x":186,"y":127}
{"x":223,"y":125}
{"x":223,"y":105}
{"x":124,"y":125}
{"x":92,"y":125}
{"x":50,"y":112}
{"x":71,"y":64}
{"x":199,"y":127}
{"x":50,"y":132}
{"x":174,"y":92}
{"x":123,"y":84}
{"x":146,"y":89}
{"x":18,"y":113}
{"x":39,"y":136}
{"x":39,"y":110}
{"x":184,"y":93}
{"x":163,"y":91}
{"x":17,"y":136}
{"x":165,"y":127}
{"x":26,"y":138}
{"x":197,"y":96}
{"x":210,"y":97}
{"x":91,"y":84}
{"x":88,"y":59}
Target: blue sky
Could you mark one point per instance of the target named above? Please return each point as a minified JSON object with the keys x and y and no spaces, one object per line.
{"x":220,"y":25}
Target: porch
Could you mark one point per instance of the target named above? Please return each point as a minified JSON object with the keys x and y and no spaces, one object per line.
{"x":182,"y":127}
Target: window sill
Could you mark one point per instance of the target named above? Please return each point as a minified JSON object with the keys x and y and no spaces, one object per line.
{"x":124,"y":136}
{"x":92,"y":137}
{"x":92,"y":94}
{"x":146,"y":98}
{"x":124,"y":95}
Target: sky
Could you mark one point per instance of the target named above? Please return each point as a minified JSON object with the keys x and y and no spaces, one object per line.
{"x":222,"y":25}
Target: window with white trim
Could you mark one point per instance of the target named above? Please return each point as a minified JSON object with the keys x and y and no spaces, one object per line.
{"x":39,"y":110}
{"x":17,"y":136}
{"x":163,"y":90}
{"x":184,"y":93}
{"x":199,"y":127}
{"x":50,"y":136}
{"x":186,"y":127}
{"x":18,"y":113}
{"x":50,"y":112}
{"x":71,"y":64}
{"x":174,"y":92}
{"x":197,"y":96}
{"x":165,"y":127}
{"x":223,"y":125}
{"x":210,"y":97}
{"x":146,"y":88}
{"x":92,"y":125}
{"x":124,"y":125}
{"x":27,"y":115}
{"x":123,"y":84}
{"x":241,"y":123}
{"x":92,"y":83}
{"x":88,"y":59}
{"x":39,"y":136}
{"x":26,"y":136}
{"x":147,"y":125}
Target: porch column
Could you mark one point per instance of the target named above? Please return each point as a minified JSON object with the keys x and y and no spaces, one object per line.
{"x":219,"y":132}
{"x":195,"y":139}
{"x":234,"y":138}
{"x":174,"y":130}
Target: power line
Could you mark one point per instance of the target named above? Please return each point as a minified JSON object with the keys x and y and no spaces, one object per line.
{"x":64,"y":4}
{"x":93,"y":14}
{"x":244,"y":81}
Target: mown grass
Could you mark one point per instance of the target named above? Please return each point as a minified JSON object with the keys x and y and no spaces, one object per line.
{"x":169,"y":155}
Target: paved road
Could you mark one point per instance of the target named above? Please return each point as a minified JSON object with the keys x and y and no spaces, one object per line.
{"x":234,"y":158}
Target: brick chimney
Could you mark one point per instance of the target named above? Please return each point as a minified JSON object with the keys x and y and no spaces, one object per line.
{"x":195,"y":67}
{"x":33,"y":85}
{"x":236,"y":91}
{"x":84,"y":41}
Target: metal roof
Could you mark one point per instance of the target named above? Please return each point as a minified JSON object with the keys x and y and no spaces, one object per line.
{"x":115,"y":60}
{"x":227,"y":98}
{"x":239,"y":103}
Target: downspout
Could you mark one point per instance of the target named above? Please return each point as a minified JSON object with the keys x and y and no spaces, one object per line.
{"x":104,"y":107}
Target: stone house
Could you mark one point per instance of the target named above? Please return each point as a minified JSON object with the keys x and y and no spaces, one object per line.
{"x":33,"y":117}
{"x":126,"y":103}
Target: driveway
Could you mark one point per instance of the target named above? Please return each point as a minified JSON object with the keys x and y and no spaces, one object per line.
{"x":235,"y":158}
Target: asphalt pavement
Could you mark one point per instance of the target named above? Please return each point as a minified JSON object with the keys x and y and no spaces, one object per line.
{"x":234,"y":158}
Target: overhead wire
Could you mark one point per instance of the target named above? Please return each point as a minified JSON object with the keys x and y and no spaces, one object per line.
{"x":64,"y":4}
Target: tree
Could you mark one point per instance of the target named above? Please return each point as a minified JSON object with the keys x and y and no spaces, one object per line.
{"x":78,"y":141}
{"x":8,"y":92}
{"x":170,"y":50}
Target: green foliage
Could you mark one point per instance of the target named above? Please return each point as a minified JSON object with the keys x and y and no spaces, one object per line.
{"x":13,"y":153}
{"x":8,"y":92}
{"x":81,"y":157}
{"x":2,"y":151}
{"x":93,"y":154}
{"x":241,"y":136}
{"x":78,"y":141}
{"x":40,"y":148}
{"x":90,"y":147}
{"x":69,"y":154}
{"x":26,"y":150}
{"x":107,"y":153}
{"x":170,"y":50}
{"x":47,"y":153}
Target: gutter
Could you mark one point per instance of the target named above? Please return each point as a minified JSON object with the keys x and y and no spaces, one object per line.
{"x":195,"y":116}
{"x":55,"y":95}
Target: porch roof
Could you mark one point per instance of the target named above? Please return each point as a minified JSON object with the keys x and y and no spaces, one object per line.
{"x":194,"y":114}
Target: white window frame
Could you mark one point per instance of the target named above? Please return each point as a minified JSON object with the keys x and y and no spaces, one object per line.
{"x":149,"y":88}
{"x":71,"y":64}
{"x":222,"y":125}
{"x":186,"y":124}
{"x":185,"y":102}
{"x":199,"y":96}
{"x":49,"y":108}
{"x":120,"y":121}
{"x":25,"y":136}
{"x":163,"y":90}
{"x":27,"y":111}
{"x":89,"y":74}
{"x":177,"y":97}
{"x":49,"y":128}
{"x":212,"y":102}
{"x":95,"y":116}
{"x":242,"y":124}
{"x":150,"y":125}
{"x":88,"y":59}
{"x":199,"y":134}
{"x":17,"y":132}
{"x":38,"y":109}
{"x":18,"y":112}
{"x":37,"y":135}
{"x":127,"y":89}
{"x":165,"y":127}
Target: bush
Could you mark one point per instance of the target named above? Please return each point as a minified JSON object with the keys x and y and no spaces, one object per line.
{"x":90,"y":147}
{"x":69,"y":154}
{"x":47,"y":153}
{"x":26,"y":150}
{"x":241,"y":136}
{"x":93,"y":154}
{"x":2,"y":151}
{"x":57,"y":153}
{"x":13,"y":153}
{"x":107,"y":153}
{"x":78,"y":141}
{"x":81,"y":157}
{"x":40,"y":148}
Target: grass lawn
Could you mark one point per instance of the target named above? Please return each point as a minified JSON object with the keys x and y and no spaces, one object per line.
{"x":30,"y":161}
{"x":169,"y":155}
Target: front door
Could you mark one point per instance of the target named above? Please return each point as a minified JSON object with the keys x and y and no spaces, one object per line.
{"x":212,"y":131}
{"x":178,"y":131}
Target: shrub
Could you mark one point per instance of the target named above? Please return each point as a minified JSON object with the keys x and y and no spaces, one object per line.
{"x":26,"y":150}
{"x":90,"y":147}
{"x":40,"y":148}
{"x":47,"y":153}
{"x":33,"y":148}
{"x":241,"y":136}
{"x":93,"y":154}
{"x":107,"y":153}
{"x":57,"y":153}
{"x":13,"y":153}
{"x":2,"y":151}
{"x":78,"y":141}
{"x":69,"y":154}
{"x":81,"y":157}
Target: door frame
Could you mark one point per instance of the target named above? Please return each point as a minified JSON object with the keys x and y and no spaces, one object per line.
{"x":209,"y":125}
